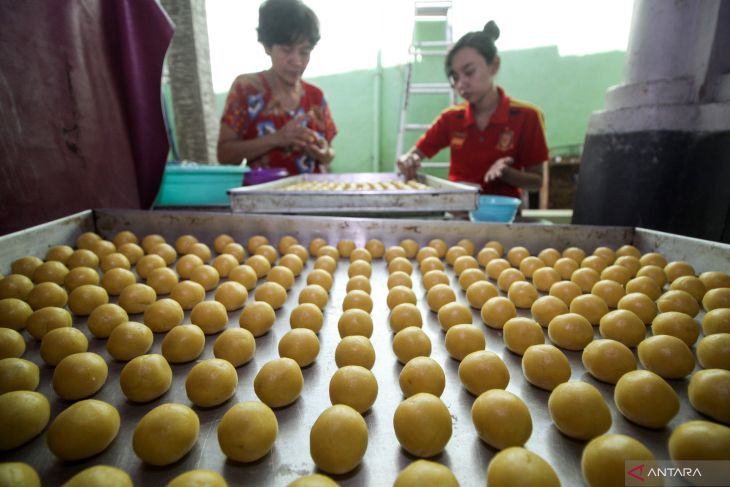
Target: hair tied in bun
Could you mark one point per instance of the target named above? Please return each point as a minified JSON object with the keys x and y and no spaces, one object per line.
{"x":491,"y":30}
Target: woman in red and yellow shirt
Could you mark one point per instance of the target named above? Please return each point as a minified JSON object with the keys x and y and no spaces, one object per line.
{"x":495,"y":141}
{"x":274,"y":118}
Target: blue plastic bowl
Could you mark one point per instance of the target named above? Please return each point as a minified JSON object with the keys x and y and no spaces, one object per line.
{"x":493,"y":208}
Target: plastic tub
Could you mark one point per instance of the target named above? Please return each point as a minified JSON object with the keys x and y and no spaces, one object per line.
{"x":265,"y":175}
{"x":198,"y":184}
{"x":494,"y":208}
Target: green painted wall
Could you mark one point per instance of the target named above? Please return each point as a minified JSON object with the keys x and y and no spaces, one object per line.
{"x":568,"y":89}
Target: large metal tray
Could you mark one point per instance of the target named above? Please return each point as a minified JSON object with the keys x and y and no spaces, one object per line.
{"x":442,"y":195}
{"x":465,"y":454}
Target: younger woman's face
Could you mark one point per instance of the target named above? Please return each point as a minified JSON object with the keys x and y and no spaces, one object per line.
{"x":290,"y":61}
{"x":472,"y":77}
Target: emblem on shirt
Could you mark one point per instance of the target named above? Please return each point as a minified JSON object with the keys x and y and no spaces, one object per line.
{"x":506,"y":140}
{"x":457,"y":140}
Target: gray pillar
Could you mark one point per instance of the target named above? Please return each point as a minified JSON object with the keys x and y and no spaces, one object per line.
{"x":193,"y":100}
{"x":658,"y":156}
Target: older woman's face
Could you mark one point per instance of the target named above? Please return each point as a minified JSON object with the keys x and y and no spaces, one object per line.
{"x":290,"y":61}
{"x":471,"y":75}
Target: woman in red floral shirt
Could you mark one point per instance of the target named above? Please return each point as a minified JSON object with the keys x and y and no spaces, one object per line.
{"x":273,"y":118}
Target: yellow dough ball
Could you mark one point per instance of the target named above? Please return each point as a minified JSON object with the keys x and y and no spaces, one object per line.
{"x":62,"y":342}
{"x":570,"y":331}
{"x":496,"y":312}
{"x":131,"y":251}
{"x":691,"y":284}
{"x":567,"y":291}
{"x":220,"y":242}
{"x":495,"y":267}
{"x":320,"y":277}
{"x":516,"y":255}
{"x":675,"y":270}
{"x":439,"y":295}
{"x":452,"y":314}
{"x":522,"y":294}
{"x":585,"y":278}
{"x":15,"y":286}
{"x":508,"y":277}
{"x":145,"y":378}
{"x":359,"y":268}
{"x":653,"y":272}
{"x":148,"y":263}
{"x":610,"y":291}
{"x":545,"y":308}
{"x":80,"y":276}
{"x":565,"y":266}
{"x":667,"y":356}
{"x":676,"y":300}
{"x":376,"y":248}
{"x":700,"y":440}
{"x":422,"y":425}
{"x":520,"y":333}
{"x":82,"y":430}
{"x":709,"y":393}
{"x":104,"y":318}
{"x":399,"y":295}
{"x":113,"y":261}
{"x":279,"y":382}
{"x":166,"y":434}
{"x":424,"y":472}
{"x":607,"y":360}
{"x":258,"y":318}
{"x":201,"y":250}
{"x":345,"y":247}
{"x":136,"y":297}
{"x":624,"y":326}
{"x":422,"y":374}
{"x":46,"y":319}
{"x":307,"y":315}
{"x":329,"y":251}
{"x":245,"y":275}
{"x":715,"y":279}
{"x":23,"y":415}
{"x":152,"y":240}
{"x":713,"y":352}
{"x":401,"y":316}
{"x":183,"y":344}
{"x":356,"y":322}
{"x":578,"y":410}
{"x":260,"y":264}
{"x":18,"y":474}
{"x":432,"y":278}
{"x":338,"y":439}
{"x":483,"y":370}
{"x":301,"y":345}
{"x":486,"y":255}
{"x":652,"y":258}
{"x":210,"y":316}
{"x":544,"y":277}
{"x":12,"y":343}
{"x":61,"y":253}
{"x":480,"y":292}
{"x":281,"y":275}
{"x":236,"y":345}
{"x":353,"y":386}
{"x":426,"y":252}
{"x":355,"y":350}
{"x":211,"y":382}
{"x":53,"y":271}
{"x":285,"y":242}
{"x":100,"y":476}
{"x":198,"y":477}
{"x":545,"y":366}
{"x":641,"y":305}
{"x":186,"y":264}
{"x":128,"y":340}
{"x":454,"y":253}
{"x":17,"y":374}
{"x":463,"y":263}
{"x":501,"y":419}
{"x":617,"y":273}
{"x":604,"y":458}
{"x":411,"y":342}
{"x":594,"y":262}
{"x":361,"y":283}
{"x":716,"y":298}
{"x":82,"y":258}
{"x":518,"y":463}
{"x":549,"y":256}
{"x":115,"y":280}
{"x":315,"y":244}
{"x":42,"y":295}
{"x":357,"y":299}
{"x":317,"y":295}
{"x":461,"y":340}
{"x":575,"y":253}
{"x":79,"y":375}
{"x":496,"y":245}
{"x":529,"y":265}
{"x":677,"y":324}
{"x":293,"y":262}
{"x":125,"y":236}
{"x":232,"y":295}
{"x":645,"y":399}
{"x":629,"y":262}
{"x":399,"y":278}
{"x":714,"y":321}
{"x":188,"y":294}
{"x":84,"y":299}
{"x":299,"y":251}
{"x":224,"y":264}
{"x":589,"y":306}
{"x":255,"y":242}
{"x":326,"y":263}
{"x":247,"y":431}
{"x":205,"y":275}
{"x":400,"y":264}
{"x":86,"y":239}
{"x":470,"y":276}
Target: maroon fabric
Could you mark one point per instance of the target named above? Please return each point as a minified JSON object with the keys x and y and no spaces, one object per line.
{"x":81,"y":124}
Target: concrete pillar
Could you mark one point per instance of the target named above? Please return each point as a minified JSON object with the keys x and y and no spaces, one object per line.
{"x":193,"y":100}
{"x":658,"y":156}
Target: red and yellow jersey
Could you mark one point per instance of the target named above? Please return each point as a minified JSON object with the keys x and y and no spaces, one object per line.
{"x":516,"y":129}
{"x":251,"y":111}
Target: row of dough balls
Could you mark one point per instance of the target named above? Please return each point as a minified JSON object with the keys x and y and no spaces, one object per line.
{"x":352,"y":186}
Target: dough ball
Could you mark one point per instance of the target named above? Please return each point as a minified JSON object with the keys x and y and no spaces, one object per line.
{"x":51,"y":271}
{"x":545,"y":366}
{"x":356,"y":322}
{"x":422,"y":425}
{"x":220,"y":242}
{"x":677,"y":324}
{"x":279,"y":382}
{"x":432,"y":278}
{"x":376,"y":248}
{"x":345,"y":247}
{"x":654,"y":272}
{"x":565,"y":266}
{"x":317,"y":295}
{"x":585,"y":278}
{"x":545,"y":308}
{"x":183,"y":344}
{"x":353,"y":386}
{"x":463,"y":263}
{"x":604,"y":457}
{"x":293,"y":262}
{"x":255,"y":242}
{"x":461,"y":340}
{"x":103,"y":247}
{"x":440,"y":247}
{"x":549,"y":256}
{"x":244,"y":274}
{"x":575,"y":253}
{"x":589,"y":306}
{"x":517,"y":462}
{"x":166,"y":434}
{"x":338,"y":439}
{"x":567,"y":291}
{"x":128,"y":340}
{"x":630,"y":262}
{"x":709,"y":393}
{"x":700,"y":440}
{"x":80,"y":258}
{"x":257,"y":317}
{"x":236,"y":345}
{"x":145,"y":378}
{"x":607,"y":360}
{"x":18,"y":474}
{"x":516,"y":255}
{"x":79,"y":276}
{"x":529,"y":265}
{"x":495,"y":267}
{"x":198,"y":477}
{"x":426,"y":252}
{"x":680,"y":301}
{"x":232,"y":295}
{"x":301,"y":345}
{"x":675,"y":270}
{"x":136,"y":297}
{"x":210,"y":316}
{"x":618,"y":273}
{"x":115,"y":280}
{"x":485,"y":255}
{"x":361,"y":283}
{"x":79,"y":375}
{"x":201,"y":250}
{"x":691,"y":284}
{"x":714,"y":299}
{"x":355,"y":350}
{"x":260,"y":264}
{"x":59,"y":343}
{"x":467,"y":244}
{"x":624,"y":326}
{"x":186,"y":264}
{"x":570,"y":331}
{"x":712,"y":279}
{"x":315,"y":244}
{"x":61,"y":253}
{"x":99,"y":476}
{"x":422,"y":374}
{"x":594,"y":262}
{"x":399,"y":278}
{"x":401,"y":316}
{"x":188,"y":294}
{"x":247,"y":431}
{"x":496,"y":312}
{"x":520,"y":333}
{"x":645,"y":399}
{"x":23,"y":415}
{"x":326,"y":263}
{"x":15,"y":286}
{"x":522,"y":294}
{"x":411,"y":342}
{"x":400,"y":264}
{"x":17,"y":374}
{"x":544,"y":277}
{"x":501,"y":419}
{"x":667,"y":356}
{"x":12,"y":343}
{"x":44,"y":320}
{"x":85,"y":299}
{"x":610,"y":291}
{"x":507,"y":277}
{"x":714,"y":321}
{"x":393,"y":252}
{"x":113,"y":261}
{"x":211,"y":382}
{"x":329,"y":251}
{"x":131,"y":251}
{"x":42,"y":295}
{"x":496,"y":245}
{"x":361,"y":254}
{"x":82,"y":430}
{"x":148,"y":263}
{"x":439,"y":295}
{"x":424,"y":472}
{"x":322,"y":278}
{"x":470,"y":276}
{"x":357,"y":299}
{"x":224,"y":264}
{"x":483,"y":370}
{"x":308,"y":315}
{"x":399,"y":295}
{"x":454,"y":253}
{"x":579,"y":411}
{"x":713,"y":352}
{"x":480,"y":292}
{"x":205,"y":275}
{"x":104,"y":318}
{"x":641,"y":305}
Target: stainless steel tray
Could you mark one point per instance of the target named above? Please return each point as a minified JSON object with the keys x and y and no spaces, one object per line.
{"x":442,"y":195}
{"x":465,"y":454}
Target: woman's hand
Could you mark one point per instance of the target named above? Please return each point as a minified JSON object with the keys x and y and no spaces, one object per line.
{"x":294,"y":134}
{"x":495,"y":170}
{"x":408,"y":165}
{"x":318,"y":148}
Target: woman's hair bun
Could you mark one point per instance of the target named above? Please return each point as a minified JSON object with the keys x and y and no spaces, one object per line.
{"x":492,"y":30}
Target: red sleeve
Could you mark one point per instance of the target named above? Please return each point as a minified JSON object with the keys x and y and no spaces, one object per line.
{"x":533,"y":146}
{"x":436,"y":137}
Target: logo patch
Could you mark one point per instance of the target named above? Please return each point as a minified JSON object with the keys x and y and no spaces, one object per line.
{"x":457,"y":140}
{"x":506,"y":140}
